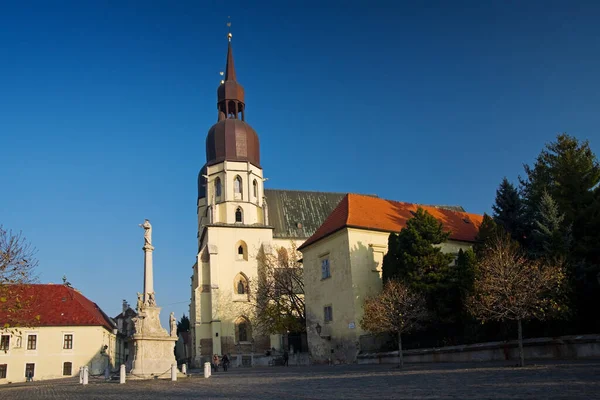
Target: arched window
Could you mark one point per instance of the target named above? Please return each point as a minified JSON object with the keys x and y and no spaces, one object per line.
{"x":255,"y":188}
{"x":238,"y":215}
{"x":218,"y":187}
{"x":237,"y":187}
{"x":241,"y":250}
{"x":240,"y":285}
{"x":243,"y":330}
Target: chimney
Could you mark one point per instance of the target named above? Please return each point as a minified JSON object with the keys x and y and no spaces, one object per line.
{"x":125,"y":306}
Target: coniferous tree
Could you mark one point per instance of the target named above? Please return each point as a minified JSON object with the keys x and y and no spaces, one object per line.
{"x":391,"y":264}
{"x":550,"y":237}
{"x":508,"y":210}
{"x":488,"y":231}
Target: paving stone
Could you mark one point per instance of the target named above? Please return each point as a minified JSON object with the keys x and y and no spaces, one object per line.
{"x":547,"y":380}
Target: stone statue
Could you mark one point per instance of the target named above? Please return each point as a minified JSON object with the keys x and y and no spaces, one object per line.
{"x":151,"y":301}
{"x":137,"y":324}
{"x":140,"y":301}
{"x":173,"y":324}
{"x":147,"y":232}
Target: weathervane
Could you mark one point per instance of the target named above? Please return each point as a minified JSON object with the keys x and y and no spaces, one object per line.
{"x":229,"y":28}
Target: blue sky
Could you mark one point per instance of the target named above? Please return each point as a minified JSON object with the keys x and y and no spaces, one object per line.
{"x":104,"y":109}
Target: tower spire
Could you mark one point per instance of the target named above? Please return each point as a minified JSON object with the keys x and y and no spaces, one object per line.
{"x":230,"y":94}
{"x":229,"y":68}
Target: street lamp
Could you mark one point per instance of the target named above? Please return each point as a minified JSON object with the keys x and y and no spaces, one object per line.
{"x":318,"y":328}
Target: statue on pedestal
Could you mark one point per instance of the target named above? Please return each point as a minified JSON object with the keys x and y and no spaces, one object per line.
{"x":147,"y":232}
{"x":151,"y":301}
{"x":173,"y":324}
{"x":140,"y":301}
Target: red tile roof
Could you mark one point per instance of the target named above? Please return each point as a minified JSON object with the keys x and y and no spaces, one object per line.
{"x":373,"y":213}
{"x":56,"y":305}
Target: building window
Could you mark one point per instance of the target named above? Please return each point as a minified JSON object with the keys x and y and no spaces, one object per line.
{"x":241,"y":251}
{"x":29,"y":370}
{"x":325,"y":270}
{"x":68,"y":342}
{"x":237,"y":187}
{"x":242,"y":328}
{"x":5,"y":342}
{"x":238,"y":215}
{"x":327,"y":314}
{"x":255,"y":188}
{"x":3,"y":368}
{"x":240,"y":284}
{"x":67,"y":369}
{"x":31,"y":342}
{"x":218,"y":187}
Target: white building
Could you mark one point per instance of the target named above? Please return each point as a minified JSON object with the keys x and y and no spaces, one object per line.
{"x":69,"y":331}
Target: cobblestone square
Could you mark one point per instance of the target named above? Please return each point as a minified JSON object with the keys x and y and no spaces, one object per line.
{"x":539,"y":380}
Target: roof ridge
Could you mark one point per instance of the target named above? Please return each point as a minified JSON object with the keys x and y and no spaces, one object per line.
{"x":318,"y":191}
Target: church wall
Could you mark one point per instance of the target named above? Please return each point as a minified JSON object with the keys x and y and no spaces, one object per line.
{"x":335,"y":291}
{"x":356,"y":258}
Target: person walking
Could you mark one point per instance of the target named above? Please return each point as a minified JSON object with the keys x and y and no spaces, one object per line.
{"x":286,"y":357}
{"x":225,"y":361}
{"x":216,"y":363}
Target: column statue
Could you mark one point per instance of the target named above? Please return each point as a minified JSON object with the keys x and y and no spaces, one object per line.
{"x":147,"y":232}
{"x":173,"y":324}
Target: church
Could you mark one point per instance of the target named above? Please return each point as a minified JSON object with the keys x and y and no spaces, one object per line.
{"x":237,"y":218}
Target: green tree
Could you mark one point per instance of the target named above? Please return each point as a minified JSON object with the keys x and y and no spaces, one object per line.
{"x":183,"y":325}
{"x":488,"y":231}
{"x":550,"y":237}
{"x":391,"y":262}
{"x":464,"y":272}
{"x":421,"y":264}
{"x":509,"y":210}
{"x":569,"y":171}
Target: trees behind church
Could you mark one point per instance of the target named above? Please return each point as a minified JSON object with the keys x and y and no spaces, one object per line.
{"x":552,"y":217}
{"x":278,"y":292}
{"x":17,"y":267}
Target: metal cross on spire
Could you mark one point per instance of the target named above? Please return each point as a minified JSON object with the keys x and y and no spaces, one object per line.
{"x":229,"y":35}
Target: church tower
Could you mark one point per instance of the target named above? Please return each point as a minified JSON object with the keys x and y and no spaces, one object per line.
{"x":232,"y":227}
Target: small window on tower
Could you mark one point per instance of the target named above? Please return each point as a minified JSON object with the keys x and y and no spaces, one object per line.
{"x":255,"y":188}
{"x":238,"y":215}
{"x":237,"y":187}
{"x":218,"y":187}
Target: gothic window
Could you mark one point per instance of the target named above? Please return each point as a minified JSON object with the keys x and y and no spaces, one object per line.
{"x":240,"y":285}
{"x":241,"y":250}
{"x":242,"y":330}
{"x":218,"y":187}
{"x":237,"y":187}
{"x":238,"y":215}
{"x":255,"y":189}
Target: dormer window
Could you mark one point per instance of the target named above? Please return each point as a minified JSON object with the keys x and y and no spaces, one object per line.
{"x":238,"y":215}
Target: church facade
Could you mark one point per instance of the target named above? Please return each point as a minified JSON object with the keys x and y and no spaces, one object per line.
{"x":238,"y":218}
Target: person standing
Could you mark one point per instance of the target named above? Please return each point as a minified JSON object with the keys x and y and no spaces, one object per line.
{"x":216,"y":363}
{"x":286,"y":357}
{"x":225,"y":361}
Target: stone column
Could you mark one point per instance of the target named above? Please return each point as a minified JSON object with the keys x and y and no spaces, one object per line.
{"x":148,"y":275}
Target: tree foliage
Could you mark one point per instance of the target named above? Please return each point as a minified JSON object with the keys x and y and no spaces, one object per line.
{"x":489,"y":230}
{"x":551,"y":238}
{"x":183,"y":325}
{"x":279,"y":291}
{"x":509,"y":210}
{"x":414,"y":258}
{"x":396,"y":309}
{"x":17,"y":268}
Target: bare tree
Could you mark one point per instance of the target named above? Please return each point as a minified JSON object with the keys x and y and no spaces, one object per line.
{"x":279,"y":291}
{"x":17,"y":267}
{"x":510,"y":287}
{"x":396,"y":309}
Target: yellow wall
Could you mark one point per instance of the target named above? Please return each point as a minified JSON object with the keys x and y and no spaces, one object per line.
{"x":356,"y":257}
{"x":49,"y":354}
